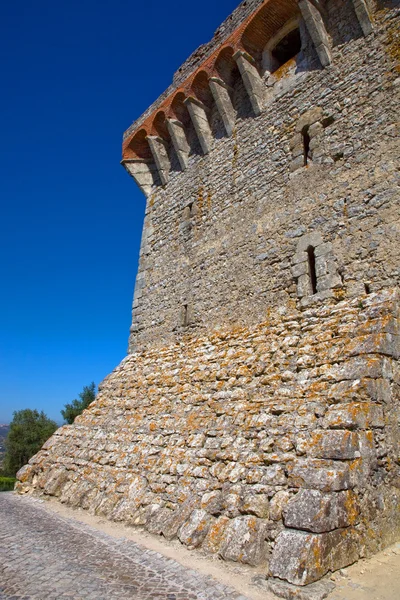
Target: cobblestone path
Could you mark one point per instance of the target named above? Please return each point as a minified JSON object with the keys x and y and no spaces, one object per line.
{"x":45,"y":556}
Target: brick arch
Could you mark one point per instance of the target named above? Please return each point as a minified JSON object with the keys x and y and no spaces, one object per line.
{"x":271,"y":17}
{"x":159,"y":125}
{"x":200,"y":88}
{"x":225,"y":66}
{"x":178,"y":109}
{"x":139,"y":147}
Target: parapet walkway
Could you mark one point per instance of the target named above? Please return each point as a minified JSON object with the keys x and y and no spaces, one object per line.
{"x":45,"y":556}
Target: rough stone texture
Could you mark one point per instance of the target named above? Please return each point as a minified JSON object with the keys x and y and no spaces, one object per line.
{"x":283,"y":589}
{"x":262,"y":386}
{"x":312,"y":510}
{"x":245,"y":541}
{"x":303,"y":558}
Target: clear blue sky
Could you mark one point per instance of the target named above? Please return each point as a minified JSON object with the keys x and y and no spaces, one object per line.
{"x":74,"y":75}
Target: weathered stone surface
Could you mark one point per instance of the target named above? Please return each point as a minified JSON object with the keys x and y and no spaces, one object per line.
{"x":302,"y":558}
{"x":213,"y":502}
{"x":340,"y":445}
{"x":25,"y":474}
{"x":320,"y":512}
{"x":193,"y":532}
{"x":55,"y":482}
{"x":130,"y":505}
{"x":215,"y":535}
{"x":282,"y":589}
{"x":178,"y":517}
{"x":244,"y":541}
{"x":256,"y":504}
{"x":356,"y":415}
{"x":323,"y":475}
{"x":278,"y":504}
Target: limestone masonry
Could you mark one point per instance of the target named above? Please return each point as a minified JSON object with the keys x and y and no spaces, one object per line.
{"x":257,"y":413}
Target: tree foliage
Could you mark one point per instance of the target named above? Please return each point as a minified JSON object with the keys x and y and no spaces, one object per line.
{"x":29,"y":430}
{"x":86,"y":397}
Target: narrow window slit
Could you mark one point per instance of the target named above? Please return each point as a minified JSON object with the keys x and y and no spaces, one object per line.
{"x":306,"y":144}
{"x":311,"y":268}
{"x":367,"y":288}
{"x":185,"y":320}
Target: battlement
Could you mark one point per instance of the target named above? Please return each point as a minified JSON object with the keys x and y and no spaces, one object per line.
{"x":261,"y":42}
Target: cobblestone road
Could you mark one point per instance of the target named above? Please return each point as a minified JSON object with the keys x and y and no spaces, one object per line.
{"x":45,"y":556}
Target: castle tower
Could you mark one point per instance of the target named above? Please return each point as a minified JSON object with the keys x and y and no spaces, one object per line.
{"x":256,"y":415}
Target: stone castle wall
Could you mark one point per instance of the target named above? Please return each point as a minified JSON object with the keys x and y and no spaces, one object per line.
{"x":220,"y":237}
{"x":256,"y":416}
{"x":211,"y":439}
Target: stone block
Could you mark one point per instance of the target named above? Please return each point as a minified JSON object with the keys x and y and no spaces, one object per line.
{"x":215,"y":535}
{"x":324,"y":475}
{"x":302,"y":558}
{"x":336,"y":444}
{"x":220,"y":92}
{"x":378,"y":343}
{"x":178,"y":517}
{"x":309,"y":118}
{"x":358,"y":367}
{"x":355,"y":415}
{"x":363,"y":16}
{"x":313,"y":591}
{"x":212,"y":502}
{"x":157,"y":518}
{"x":299,"y":269}
{"x":251,"y":79}
{"x":325,"y":248}
{"x":194,"y":531}
{"x":316,"y":28}
{"x":244,"y":541}
{"x":320,"y":512}
{"x":329,"y":281}
{"x":25,"y":474}
{"x":256,"y":504}
{"x":55,"y":481}
{"x":278,"y":504}
{"x":296,"y":163}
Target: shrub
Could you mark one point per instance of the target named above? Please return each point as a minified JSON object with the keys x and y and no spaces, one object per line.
{"x":7,"y":484}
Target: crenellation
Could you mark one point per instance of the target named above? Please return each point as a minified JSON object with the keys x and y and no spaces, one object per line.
{"x":256,"y":415}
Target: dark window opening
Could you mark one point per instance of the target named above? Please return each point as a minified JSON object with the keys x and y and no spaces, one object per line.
{"x":306,"y":144}
{"x":287,"y":48}
{"x":311,"y":268}
{"x":327,"y":121}
{"x":367,"y":288}
{"x":185,"y":320}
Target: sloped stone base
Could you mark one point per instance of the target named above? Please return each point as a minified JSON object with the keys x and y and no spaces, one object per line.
{"x":277,"y":443}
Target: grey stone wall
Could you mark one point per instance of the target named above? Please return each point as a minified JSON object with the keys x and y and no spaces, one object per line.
{"x":229,"y":256}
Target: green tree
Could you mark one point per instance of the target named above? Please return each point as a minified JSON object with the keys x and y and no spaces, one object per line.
{"x":76,"y":407}
{"x":29,"y":430}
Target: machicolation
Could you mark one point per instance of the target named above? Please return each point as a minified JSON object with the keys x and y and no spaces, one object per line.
{"x":256,"y":416}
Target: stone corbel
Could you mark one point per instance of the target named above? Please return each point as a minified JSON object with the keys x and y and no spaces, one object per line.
{"x":316,"y":28}
{"x":363,"y":16}
{"x":142,"y":171}
{"x":179,"y":141}
{"x":159,"y":150}
{"x":251,"y":79}
{"x":198,"y":114}
{"x":220,"y":92}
